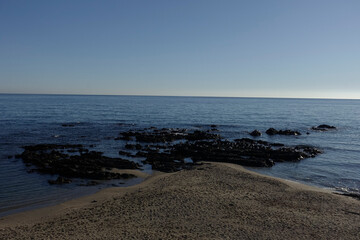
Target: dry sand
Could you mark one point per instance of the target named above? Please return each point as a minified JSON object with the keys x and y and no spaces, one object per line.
{"x":214,"y":201}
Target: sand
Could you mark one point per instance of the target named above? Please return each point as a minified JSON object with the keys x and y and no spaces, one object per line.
{"x":213,"y":201}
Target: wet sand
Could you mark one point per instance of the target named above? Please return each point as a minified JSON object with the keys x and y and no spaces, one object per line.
{"x":213,"y":201}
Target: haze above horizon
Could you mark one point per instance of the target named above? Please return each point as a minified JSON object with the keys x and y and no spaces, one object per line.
{"x":296,"y":49}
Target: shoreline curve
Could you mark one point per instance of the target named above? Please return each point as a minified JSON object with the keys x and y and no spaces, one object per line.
{"x":214,"y":200}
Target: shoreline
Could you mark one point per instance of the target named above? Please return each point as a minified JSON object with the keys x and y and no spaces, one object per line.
{"x":209,"y":185}
{"x":43,"y":213}
{"x":51,"y":201}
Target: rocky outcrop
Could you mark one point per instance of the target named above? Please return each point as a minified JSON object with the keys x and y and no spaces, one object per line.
{"x":273,"y":131}
{"x":323,"y":127}
{"x":165,"y":135}
{"x":166,"y":149}
{"x":255,"y":133}
{"x":81,"y":163}
{"x":60,"y":180}
{"x":245,"y":151}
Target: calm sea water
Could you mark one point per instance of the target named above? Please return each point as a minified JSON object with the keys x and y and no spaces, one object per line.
{"x":34,"y":119}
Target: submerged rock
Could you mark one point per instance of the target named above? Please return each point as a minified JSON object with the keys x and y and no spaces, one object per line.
{"x":255,"y":133}
{"x":273,"y":131}
{"x":68,"y":125}
{"x":323,"y":127}
{"x":49,"y":159}
{"x":60,"y":180}
{"x":165,"y":149}
{"x":205,"y":146}
{"x":245,"y":151}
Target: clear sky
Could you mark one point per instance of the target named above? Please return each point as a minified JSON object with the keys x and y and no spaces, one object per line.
{"x":278,"y":48}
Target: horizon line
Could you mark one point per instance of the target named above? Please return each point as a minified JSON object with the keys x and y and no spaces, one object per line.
{"x":154,"y":95}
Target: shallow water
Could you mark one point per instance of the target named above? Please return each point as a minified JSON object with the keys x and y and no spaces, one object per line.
{"x":34,"y":119}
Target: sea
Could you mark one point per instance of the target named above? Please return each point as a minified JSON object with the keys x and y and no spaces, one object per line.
{"x":97,"y":120}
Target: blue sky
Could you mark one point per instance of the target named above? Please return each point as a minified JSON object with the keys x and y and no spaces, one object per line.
{"x":183,"y":48}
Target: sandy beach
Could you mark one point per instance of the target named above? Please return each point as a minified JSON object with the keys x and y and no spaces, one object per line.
{"x":212,"y":201}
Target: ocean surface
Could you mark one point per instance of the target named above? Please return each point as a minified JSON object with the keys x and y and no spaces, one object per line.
{"x":35,"y":119}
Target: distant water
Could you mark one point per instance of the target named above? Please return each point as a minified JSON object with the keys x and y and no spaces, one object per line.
{"x":34,"y":119}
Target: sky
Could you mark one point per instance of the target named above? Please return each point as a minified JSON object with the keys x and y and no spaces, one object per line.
{"x":232,"y":48}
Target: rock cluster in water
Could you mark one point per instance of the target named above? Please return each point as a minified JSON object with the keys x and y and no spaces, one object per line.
{"x":154,"y":135}
{"x":166,"y":149}
{"x":323,"y":127}
{"x":255,"y":133}
{"x":74,"y":161}
{"x":288,"y":132}
{"x":206,"y":146}
{"x":273,"y":131}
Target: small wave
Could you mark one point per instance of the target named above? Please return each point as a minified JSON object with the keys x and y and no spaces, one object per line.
{"x":348,"y":191}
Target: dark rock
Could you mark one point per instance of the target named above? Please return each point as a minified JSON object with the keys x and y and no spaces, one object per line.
{"x":126,"y":154}
{"x":273,"y":131}
{"x":201,"y":135}
{"x":323,"y":127}
{"x":168,"y":151}
{"x":255,"y":133}
{"x":60,"y":180}
{"x":130,"y":146}
{"x":277,"y":144}
{"x":289,"y":132}
{"x":68,"y":125}
{"x":49,"y":159}
{"x":245,"y":151}
{"x":72,"y":150}
{"x":353,"y":195}
{"x":326,"y":126}
{"x":43,"y":147}
{"x":90,"y":183}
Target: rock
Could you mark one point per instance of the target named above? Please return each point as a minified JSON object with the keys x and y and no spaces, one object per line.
{"x":201,"y":135}
{"x":289,"y":132}
{"x":126,"y":154}
{"x":169,"y":154}
{"x":60,"y":180}
{"x":44,"y":147}
{"x":255,"y":133}
{"x":68,"y":125}
{"x":349,"y":194}
{"x":323,"y":127}
{"x":130,"y":146}
{"x":206,"y":146}
{"x":245,"y":151}
{"x":90,"y":183}
{"x":326,"y":126}
{"x":271,"y":131}
{"x":49,"y":159}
